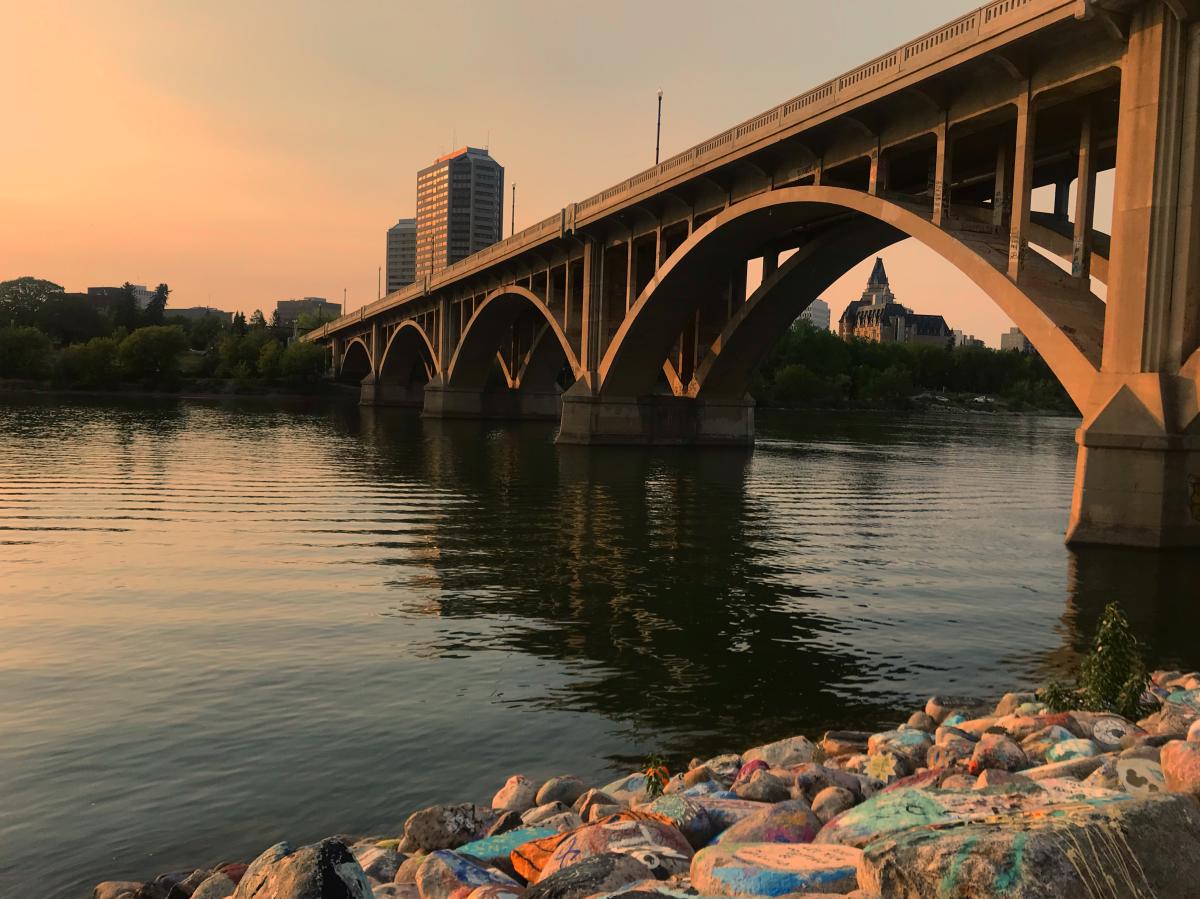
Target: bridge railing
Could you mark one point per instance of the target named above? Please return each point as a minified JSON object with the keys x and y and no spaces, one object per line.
{"x":938,"y":44}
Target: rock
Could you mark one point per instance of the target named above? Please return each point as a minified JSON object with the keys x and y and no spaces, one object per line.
{"x":562,"y":823}
{"x":774,"y":869}
{"x":832,"y":801}
{"x":783,"y":753}
{"x":724,"y":813}
{"x":657,"y":845}
{"x":949,"y":754}
{"x":217,"y":885}
{"x":921,"y":721}
{"x":396,"y":891}
{"x":786,"y":822}
{"x":959,"y":782}
{"x":566,"y":789}
{"x":598,"y":874}
{"x":629,"y":789}
{"x":697,"y":775}
{"x":747,"y":770}
{"x":407,"y":871}
{"x":1142,"y":847}
{"x":117,"y":889}
{"x":447,"y":826}
{"x":517,"y":795}
{"x":1010,"y":702}
{"x":844,"y":742}
{"x":709,"y":788}
{"x":506,"y":822}
{"x":685,"y":815}
{"x":947,"y":734}
{"x":169,"y":886}
{"x":444,"y":873}
{"x":1139,"y":751}
{"x":544,"y":811}
{"x":1193,"y":733}
{"x":324,"y":870}
{"x":912,"y":744}
{"x":590,"y":798}
{"x":997,"y":777}
{"x":725,"y":767}
{"x":763,"y":787}
{"x":597,"y":811}
{"x":495,"y":850}
{"x":1106,"y":731}
{"x":493,"y":891}
{"x":1039,"y":742}
{"x":1075,"y":768}
{"x":996,"y":751}
{"x":937,"y":708}
{"x":264,"y":861}
{"x":1180,"y":760}
{"x":889,"y":766}
{"x":1069,"y":750}
{"x":975,"y":727}
{"x":812,"y":778}
{"x":378,"y":862}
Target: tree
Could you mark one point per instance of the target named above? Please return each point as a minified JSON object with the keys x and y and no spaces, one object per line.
{"x":152,"y":352}
{"x":275,"y":322}
{"x":257,"y":320}
{"x":239,"y":323}
{"x":153,"y":313}
{"x":270,"y":359}
{"x":125,"y":313}
{"x":304,"y":363}
{"x":91,"y":364}
{"x":21,"y":299}
{"x":25,"y":352}
{"x":71,"y":319}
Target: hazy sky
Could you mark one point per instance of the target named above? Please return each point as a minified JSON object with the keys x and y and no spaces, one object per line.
{"x":248,"y":152}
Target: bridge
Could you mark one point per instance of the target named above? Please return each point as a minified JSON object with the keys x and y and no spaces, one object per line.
{"x":626,"y":315}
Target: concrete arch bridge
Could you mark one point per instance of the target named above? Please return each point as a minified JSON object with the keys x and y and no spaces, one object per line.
{"x":626,"y":315}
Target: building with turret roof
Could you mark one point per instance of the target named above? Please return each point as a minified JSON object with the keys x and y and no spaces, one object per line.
{"x":878,"y":317}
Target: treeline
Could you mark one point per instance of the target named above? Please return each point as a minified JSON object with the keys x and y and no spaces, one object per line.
{"x":813,"y":367}
{"x":45,"y":336}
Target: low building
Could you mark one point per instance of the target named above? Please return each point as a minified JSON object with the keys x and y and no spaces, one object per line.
{"x":817,"y":314}
{"x":291,"y":310}
{"x":961,"y":338}
{"x":876,"y":316}
{"x":1015,"y":340}
{"x":401,"y":255}
{"x":195,"y":313}
{"x":107,"y":296}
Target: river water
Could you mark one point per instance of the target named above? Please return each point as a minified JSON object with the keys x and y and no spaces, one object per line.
{"x":225,"y":625}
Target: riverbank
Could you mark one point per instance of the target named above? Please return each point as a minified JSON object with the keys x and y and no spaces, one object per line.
{"x":183,"y":389}
{"x":958,"y":801}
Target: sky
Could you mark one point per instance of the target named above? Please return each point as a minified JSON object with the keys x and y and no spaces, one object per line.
{"x":249,"y":152}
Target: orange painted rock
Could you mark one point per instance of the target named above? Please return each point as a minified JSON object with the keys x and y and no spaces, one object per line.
{"x":656,"y":844}
{"x":997,"y":751}
{"x":1180,"y":760}
{"x":774,"y":869}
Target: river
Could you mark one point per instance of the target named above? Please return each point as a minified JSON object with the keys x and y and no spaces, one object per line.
{"x":222,"y":625}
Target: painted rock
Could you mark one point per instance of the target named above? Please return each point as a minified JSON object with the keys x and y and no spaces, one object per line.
{"x":999,"y":779}
{"x":629,"y":789}
{"x":937,"y":708}
{"x":497,"y":849}
{"x":1068,"y":750}
{"x":812,"y":778}
{"x":447,"y":826}
{"x":379,"y":862}
{"x":946,"y":734}
{"x":911,"y":743}
{"x":1193,"y":733}
{"x":444,"y":873}
{"x":747,"y":770}
{"x":725,"y":767}
{"x":658,"y":846}
{"x":783,"y":753}
{"x":1038,"y":743}
{"x":698,"y":775}
{"x":1075,"y":768}
{"x":1180,"y":762}
{"x":407,"y":872}
{"x":921,"y":721}
{"x":954,"y":719}
{"x":566,"y":789}
{"x":976,"y":727}
{"x":831,"y":802}
{"x":686,"y":816}
{"x":1109,"y":732}
{"x":1032,"y":708}
{"x":774,"y":869}
{"x":844,"y":742}
{"x":395,"y":891}
{"x":542,"y":812}
{"x":590,"y":798}
{"x":1137,"y":847}
{"x":561,"y":823}
{"x":724,"y":813}
{"x":784,"y":822}
{"x":1141,"y":777}
{"x":996,"y":751}
{"x":490,"y":891}
{"x":949,"y":754}
{"x":598,"y":874}
{"x":1010,"y":702}
{"x":517,"y":794}
{"x":707,"y":788}
{"x":322,"y":869}
{"x":763,"y":787}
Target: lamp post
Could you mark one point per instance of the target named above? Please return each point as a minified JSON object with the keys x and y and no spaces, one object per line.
{"x":658,"y":129}
{"x":512,"y":228}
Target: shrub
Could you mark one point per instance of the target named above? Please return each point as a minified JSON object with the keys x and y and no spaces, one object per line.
{"x":25,"y":352}
{"x":1112,"y":677}
{"x":270,"y":358}
{"x":91,"y":364}
{"x":152,"y":352}
{"x":303,"y":363}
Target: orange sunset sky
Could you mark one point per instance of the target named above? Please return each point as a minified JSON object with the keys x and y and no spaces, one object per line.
{"x":253,"y":151}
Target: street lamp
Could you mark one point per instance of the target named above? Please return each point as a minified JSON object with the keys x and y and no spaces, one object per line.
{"x":658,"y":130}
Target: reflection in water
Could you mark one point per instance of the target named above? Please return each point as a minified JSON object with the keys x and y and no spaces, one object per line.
{"x":227,"y":625}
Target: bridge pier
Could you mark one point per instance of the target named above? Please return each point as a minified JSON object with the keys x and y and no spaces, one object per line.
{"x":441,"y":401}
{"x":654,"y":420}
{"x":376,"y":392}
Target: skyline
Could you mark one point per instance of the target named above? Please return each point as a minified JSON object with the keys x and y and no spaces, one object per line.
{"x":240,"y":146}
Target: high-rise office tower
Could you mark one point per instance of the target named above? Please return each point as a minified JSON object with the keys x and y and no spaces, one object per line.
{"x":401,"y":254}
{"x":460,"y":208}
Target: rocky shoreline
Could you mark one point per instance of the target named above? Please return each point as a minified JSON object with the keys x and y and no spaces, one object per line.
{"x":1013,"y":801}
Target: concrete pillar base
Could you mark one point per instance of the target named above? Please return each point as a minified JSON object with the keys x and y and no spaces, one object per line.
{"x":655,"y":420}
{"x":452,"y":402}
{"x":382,"y":394}
{"x":1136,"y":491}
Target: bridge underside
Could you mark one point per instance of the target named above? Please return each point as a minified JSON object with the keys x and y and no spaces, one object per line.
{"x":630,"y":318}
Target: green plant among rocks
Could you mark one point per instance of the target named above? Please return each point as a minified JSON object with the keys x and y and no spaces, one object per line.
{"x":1113,"y":676}
{"x":657,"y":776}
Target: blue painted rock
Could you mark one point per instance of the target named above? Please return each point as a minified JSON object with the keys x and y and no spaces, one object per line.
{"x":954,"y":719}
{"x":1069,"y":750}
{"x":997,"y":751}
{"x":497,"y":849}
{"x":444,"y":874}
{"x":324,"y":870}
{"x":447,"y":826}
{"x":1136,"y":847}
{"x":1038,"y":743}
{"x":598,"y":874}
{"x":686,"y":816}
{"x":912,"y":744}
{"x":657,"y":845}
{"x":517,"y":795}
{"x":783,"y":753}
{"x":774,"y":869}
{"x":724,"y":812}
{"x":1180,"y":760}
{"x":784,"y":822}
{"x":708,"y":788}
{"x":566,"y":789}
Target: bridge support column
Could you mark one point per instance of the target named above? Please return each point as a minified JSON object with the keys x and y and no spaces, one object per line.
{"x":501,"y":404}
{"x":654,"y":420}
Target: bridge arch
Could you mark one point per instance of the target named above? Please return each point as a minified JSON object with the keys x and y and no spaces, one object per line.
{"x":1066,"y":326}
{"x":409,"y":356}
{"x":485,"y":334}
{"x":356,"y":362}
